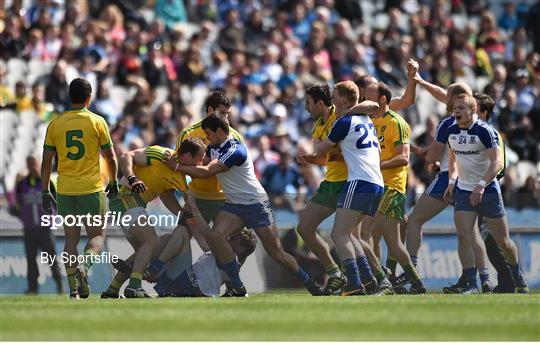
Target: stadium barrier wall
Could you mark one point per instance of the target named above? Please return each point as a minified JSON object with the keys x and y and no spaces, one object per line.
{"x":438,"y":263}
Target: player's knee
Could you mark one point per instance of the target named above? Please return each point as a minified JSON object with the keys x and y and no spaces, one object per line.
{"x":305,"y":231}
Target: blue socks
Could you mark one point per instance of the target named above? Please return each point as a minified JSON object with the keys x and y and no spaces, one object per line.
{"x":353,"y":275}
{"x":484,"y":275}
{"x":470,"y":276}
{"x":363,"y":267}
{"x":516,"y":273}
{"x":302,"y":275}
{"x":232,"y":269}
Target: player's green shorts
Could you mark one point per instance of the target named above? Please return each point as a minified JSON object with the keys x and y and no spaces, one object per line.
{"x":209,"y":208}
{"x":392,"y":204}
{"x":93,"y":204}
{"x":327,"y":194}
{"x":125,"y":201}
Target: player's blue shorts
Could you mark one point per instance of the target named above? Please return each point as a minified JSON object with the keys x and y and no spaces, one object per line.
{"x":184,"y":285}
{"x":491,"y":206}
{"x":438,"y":186}
{"x":361,"y":195}
{"x":255,"y":216}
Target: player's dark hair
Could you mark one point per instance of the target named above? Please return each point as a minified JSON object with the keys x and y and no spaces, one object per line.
{"x":485,"y":103}
{"x":79,"y":91}
{"x":385,"y":91}
{"x":248,"y":241}
{"x":192,"y":145}
{"x":214,"y":121}
{"x":362,"y":81}
{"x":215,"y":99}
{"x":320,"y":93}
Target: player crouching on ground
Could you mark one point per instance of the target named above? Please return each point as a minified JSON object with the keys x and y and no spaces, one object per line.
{"x":475,"y":157}
{"x":149,"y":177}
{"x":247,"y":205}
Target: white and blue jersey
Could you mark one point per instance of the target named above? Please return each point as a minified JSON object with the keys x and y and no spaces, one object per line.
{"x":245,"y":196}
{"x":470,"y":149}
{"x":239,"y":182}
{"x":359,"y":144}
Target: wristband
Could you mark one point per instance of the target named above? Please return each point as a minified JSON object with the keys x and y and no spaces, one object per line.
{"x":482,"y":183}
{"x":131,"y":178}
{"x":451,"y":181}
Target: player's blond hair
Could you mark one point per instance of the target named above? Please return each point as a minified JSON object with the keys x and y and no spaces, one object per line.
{"x":469,"y":100}
{"x":348,"y":90}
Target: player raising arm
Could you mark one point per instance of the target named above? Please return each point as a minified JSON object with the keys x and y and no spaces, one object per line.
{"x":76,"y":137}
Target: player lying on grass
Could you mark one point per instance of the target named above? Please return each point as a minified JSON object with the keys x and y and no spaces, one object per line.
{"x":76,"y":137}
{"x":475,"y":157}
{"x":393,"y":134}
{"x":246,"y":205}
{"x":147,"y":177}
{"x":360,"y":196}
{"x":324,"y":202}
{"x":203,"y":278}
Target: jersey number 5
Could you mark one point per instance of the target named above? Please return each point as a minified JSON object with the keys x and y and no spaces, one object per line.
{"x":364,"y":131}
{"x":71,"y":141}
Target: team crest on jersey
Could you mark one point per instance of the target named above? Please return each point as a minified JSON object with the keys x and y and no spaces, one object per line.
{"x":472,"y":140}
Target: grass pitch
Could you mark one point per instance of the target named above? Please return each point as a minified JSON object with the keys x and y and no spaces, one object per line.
{"x":274,"y":317}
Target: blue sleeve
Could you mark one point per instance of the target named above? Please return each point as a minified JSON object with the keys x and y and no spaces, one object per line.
{"x":488,"y":137}
{"x":234,"y":156}
{"x":441,"y":135}
{"x":340,"y":129}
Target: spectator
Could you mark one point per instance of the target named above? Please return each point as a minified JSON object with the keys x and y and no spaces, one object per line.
{"x":281,"y":181}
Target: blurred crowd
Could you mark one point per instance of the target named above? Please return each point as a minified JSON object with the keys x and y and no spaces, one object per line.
{"x":264,"y":54}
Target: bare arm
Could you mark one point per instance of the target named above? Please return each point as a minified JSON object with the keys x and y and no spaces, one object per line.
{"x":198,"y":226}
{"x":169,"y":200}
{"x":452,"y":166}
{"x":127,"y":160}
{"x":435,"y":91}
{"x":112,"y":164}
{"x":365,"y":107}
{"x":323,"y":148}
{"x":409,"y":97}
{"x":435,"y":151}
{"x":495,"y":164}
{"x":213,"y":168}
{"x":46,"y":169}
{"x":400,"y":159}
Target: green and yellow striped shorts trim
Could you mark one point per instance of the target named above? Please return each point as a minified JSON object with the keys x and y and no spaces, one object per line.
{"x":126,"y":200}
{"x":392,"y":204}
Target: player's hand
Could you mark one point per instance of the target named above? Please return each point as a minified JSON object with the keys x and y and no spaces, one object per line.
{"x":433,"y":167}
{"x":300,"y":157}
{"x":136,"y":184}
{"x":412,"y":68}
{"x":112,"y":190}
{"x":476,"y":195}
{"x":449,"y":194}
{"x":48,"y":204}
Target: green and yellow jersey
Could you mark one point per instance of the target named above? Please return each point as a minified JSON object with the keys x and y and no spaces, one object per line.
{"x":336,"y":171}
{"x":77,"y":136}
{"x":208,"y":188}
{"x":392,"y":130}
{"x":157,"y":177}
